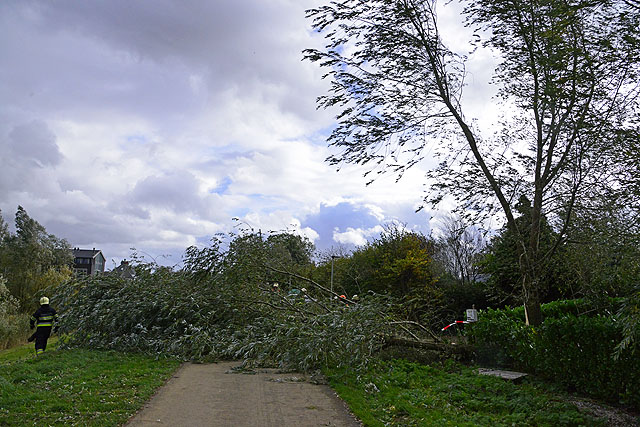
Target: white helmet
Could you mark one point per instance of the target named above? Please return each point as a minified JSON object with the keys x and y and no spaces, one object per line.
{"x":44,"y":300}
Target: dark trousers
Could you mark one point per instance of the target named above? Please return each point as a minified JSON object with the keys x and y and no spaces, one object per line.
{"x":41,"y":335}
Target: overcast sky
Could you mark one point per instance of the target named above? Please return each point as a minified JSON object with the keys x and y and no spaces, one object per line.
{"x":151,"y":124}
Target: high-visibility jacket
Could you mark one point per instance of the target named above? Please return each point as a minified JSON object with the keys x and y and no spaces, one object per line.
{"x":44,"y":317}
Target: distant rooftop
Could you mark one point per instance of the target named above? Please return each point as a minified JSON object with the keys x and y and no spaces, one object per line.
{"x":85,"y":253}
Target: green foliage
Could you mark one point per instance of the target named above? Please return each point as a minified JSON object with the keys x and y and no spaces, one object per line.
{"x":560,"y":308}
{"x":291,"y":249}
{"x":13,"y":325}
{"x":8,"y":304}
{"x":4,"y":228}
{"x":32,"y":259}
{"x":14,"y":329}
{"x":222,"y":305}
{"x":603,"y":255}
{"x":158,"y":311}
{"x":571,"y":349}
{"x":78,"y":387}
{"x":349,"y":336}
{"x":458,"y":296}
{"x":400,"y":393}
{"x":502,"y":262}
{"x":629,"y":317}
{"x":400,"y":264}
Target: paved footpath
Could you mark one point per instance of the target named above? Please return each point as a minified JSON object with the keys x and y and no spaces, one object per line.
{"x":211,"y":395}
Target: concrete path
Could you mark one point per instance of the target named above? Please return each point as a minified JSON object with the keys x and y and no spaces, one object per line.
{"x":211,"y":395}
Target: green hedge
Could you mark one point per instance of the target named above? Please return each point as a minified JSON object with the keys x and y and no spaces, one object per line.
{"x":575,"y":351}
{"x":556,"y":309}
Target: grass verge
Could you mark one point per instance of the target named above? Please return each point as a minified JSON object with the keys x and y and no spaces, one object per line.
{"x":401,"y":393}
{"x":76,"y":387}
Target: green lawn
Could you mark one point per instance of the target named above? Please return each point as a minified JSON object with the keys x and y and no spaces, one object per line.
{"x":104,"y":388}
{"x":76,"y":387}
{"x":401,"y":393}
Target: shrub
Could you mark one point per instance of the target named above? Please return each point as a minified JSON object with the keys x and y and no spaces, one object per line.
{"x":13,"y":326}
{"x":629,"y":315}
{"x":399,"y":263}
{"x":575,"y":351}
{"x":14,"y":329}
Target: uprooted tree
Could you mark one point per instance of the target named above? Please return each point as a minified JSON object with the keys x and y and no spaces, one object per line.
{"x":567,"y":75}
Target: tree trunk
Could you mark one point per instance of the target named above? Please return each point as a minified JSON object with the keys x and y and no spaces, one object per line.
{"x":532,"y":311}
{"x":428,"y":345}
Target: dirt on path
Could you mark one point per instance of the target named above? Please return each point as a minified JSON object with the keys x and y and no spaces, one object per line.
{"x":215,"y":395}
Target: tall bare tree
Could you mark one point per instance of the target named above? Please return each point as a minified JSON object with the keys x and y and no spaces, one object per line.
{"x":568,"y":78}
{"x":458,"y":248}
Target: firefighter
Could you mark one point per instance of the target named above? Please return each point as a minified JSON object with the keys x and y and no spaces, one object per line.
{"x":44,"y":319}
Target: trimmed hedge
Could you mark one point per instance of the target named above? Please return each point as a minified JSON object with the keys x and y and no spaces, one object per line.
{"x":575,"y":351}
{"x":560,"y":308}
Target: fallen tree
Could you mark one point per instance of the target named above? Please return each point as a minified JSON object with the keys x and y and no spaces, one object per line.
{"x":224,"y":305}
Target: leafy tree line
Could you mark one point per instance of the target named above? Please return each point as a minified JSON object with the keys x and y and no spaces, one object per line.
{"x":437,"y":277}
{"x":423,"y":280}
{"x":31,"y":259}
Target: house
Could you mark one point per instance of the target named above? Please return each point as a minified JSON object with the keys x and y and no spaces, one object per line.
{"x":88,"y":261}
{"x":124,"y":270}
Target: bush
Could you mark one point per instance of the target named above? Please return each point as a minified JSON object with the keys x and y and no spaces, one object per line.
{"x":629,"y":315}
{"x":575,"y":351}
{"x":578,"y":352}
{"x":557,"y":309}
{"x":399,"y":263}
{"x":13,"y":326}
{"x":14,"y":329}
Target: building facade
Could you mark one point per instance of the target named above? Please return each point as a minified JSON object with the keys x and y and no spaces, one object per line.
{"x":88,"y":261}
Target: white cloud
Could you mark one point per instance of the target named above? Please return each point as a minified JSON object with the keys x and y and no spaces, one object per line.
{"x":356,"y":236}
{"x":150,"y":124}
